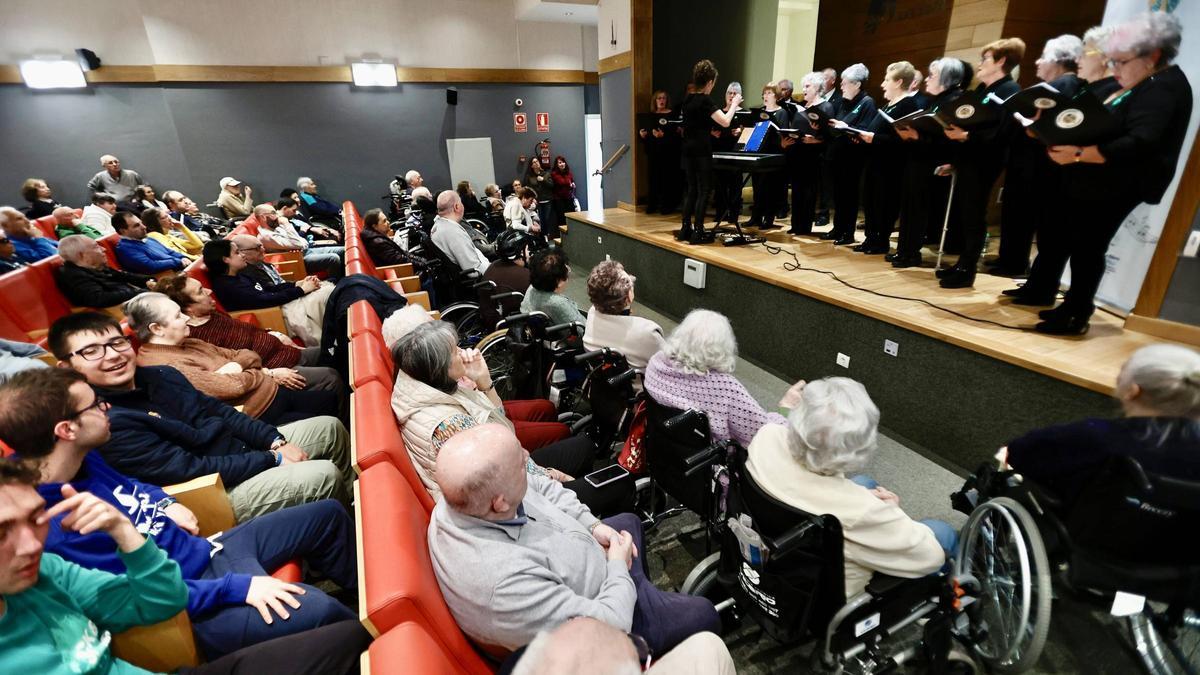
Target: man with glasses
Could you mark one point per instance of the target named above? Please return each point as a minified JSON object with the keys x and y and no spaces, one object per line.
{"x":166,"y":432}
{"x":9,"y":261}
{"x":52,"y":419}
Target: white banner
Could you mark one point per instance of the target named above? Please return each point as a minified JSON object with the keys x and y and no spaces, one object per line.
{"x":1131,"y":250}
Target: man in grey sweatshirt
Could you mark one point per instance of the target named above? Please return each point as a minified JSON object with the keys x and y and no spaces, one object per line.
{"x":515,"y":554}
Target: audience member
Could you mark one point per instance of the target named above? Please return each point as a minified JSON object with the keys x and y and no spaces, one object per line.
{"x":274,"y":395}
{"x":289,"y":209}
{"x":98,"y":215}
{"x":413,"y":180}
{"x":609,"y":322}
{"x":441,"y":389}
{"x":54,"y":420}
{"x":548,"y":274}
{"x":1159,"y":392}
{"x":113,"y":180}
{"x":375,"y":238}
{"x":138,"y":253}
{"x":145,"y":198}
{"x":172,"y":234}
{"x":493,"y":197}
{"x":66,"y":223}
{"x":27,"y":240}
{"x":520,"y":212}
{"x":40,"y":198}
{"x":184,"y":210}
{"x":538,"y":179}
{"x":515,"y":554}
{"x":235,"y":198}
{"x":564,"y":190}
{"x":831,"y":433}
{"x":587,"y":646}
{"x":277,"y":350}
{"x":16,"y":357}
{"x":86,"y":279}
{"x":166,"y":432}
{"x":509,"y":275}
{"x":302,"y":302}
{"x":9,"y":261}
{"x":318,"y":206}
{"x":472,"y":207}
{"x":451,"y":237}
{"x":695,"y":370}
{"x":277,"y":234}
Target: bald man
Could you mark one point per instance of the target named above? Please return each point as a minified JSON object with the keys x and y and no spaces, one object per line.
{"x":451,"y":237}
{"x":277,"y":235}
{"x":586,"y":646}
{"x":516,"y":554}
{"x":66,"y":223}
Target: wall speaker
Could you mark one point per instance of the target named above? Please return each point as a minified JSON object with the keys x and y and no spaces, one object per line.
{"x":87,"y":59}
{"x":452,"y":96}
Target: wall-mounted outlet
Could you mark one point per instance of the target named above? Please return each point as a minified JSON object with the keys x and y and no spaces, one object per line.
{"x":1193,"y":245}
{"x":693,"y":273}
{"x":599,"y":240}
{"x":891,"y":347}
{"x":843,"y":360}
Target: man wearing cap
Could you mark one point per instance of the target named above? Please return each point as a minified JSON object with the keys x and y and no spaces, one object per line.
{"x":235,"y":198}
{"x":118,"y":182}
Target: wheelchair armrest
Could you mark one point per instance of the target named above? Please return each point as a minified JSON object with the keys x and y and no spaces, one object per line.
{"x":786,"y":542}
{"x":206,"y":497}
{"x":882,"y":583}
{"x":504,"y":296}
{"x":702,"y":459}
{"x":164,"y":647}
{"x":621,"y":378}
{"x":479,"y":285}
{"x":573,"y":327}
{"x":682,"y":418}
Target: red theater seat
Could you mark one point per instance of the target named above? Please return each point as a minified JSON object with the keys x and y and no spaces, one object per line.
{"x":247,"y":226}
{"x":46,"y":225}
{"x":408,"y":648}
{"x":371,"y":361}
{"x":376,"y":438}
{"x":362,"y":318}
{"x":109,"y":244}
{"x":31,"y":298}
{"x":397,"y":584}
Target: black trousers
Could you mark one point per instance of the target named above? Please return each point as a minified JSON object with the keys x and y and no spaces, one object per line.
{"x":847,"y":174}
{"x":332,"y":649}
{"x":825,"y":185}
{"x":1089,"y":232}
{"x":974,"y":190}
{"x":1019,"y":210}
{"x":291,"y":405}
{"x":919,"y":191}
{"x":575,"y":456}
{"x":804,"y":174}
{"x":727,"y":195}
{"x":881,"y":199}
{"x":698,"y":172}
{"x":769,"y":187}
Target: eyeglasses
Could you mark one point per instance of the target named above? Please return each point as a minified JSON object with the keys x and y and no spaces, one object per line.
{"x":1093,"y":52}
{"x":97,"y":351}
{"x":1121,"y":63}
{"x":100,"y":404}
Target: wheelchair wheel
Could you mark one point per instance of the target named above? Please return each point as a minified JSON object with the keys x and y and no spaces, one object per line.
{"x":1001,"y":548}
{"x":465,"y":317}
{"x":1163,"y":648}
{"x":499,"y":357}
{"x":702,"y":582}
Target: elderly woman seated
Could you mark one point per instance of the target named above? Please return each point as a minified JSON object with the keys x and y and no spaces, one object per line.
{"x":609,"y":323}
{"x":171,"y":233}
{"x":831,"y":432}
{"x":695,"y":370}
{"x":233,"y":376}
{"x":1159,"y":392}
{"x":442,"y":389}
{"x":548,"y":274}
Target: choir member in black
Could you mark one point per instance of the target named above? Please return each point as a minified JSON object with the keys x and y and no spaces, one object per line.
{"x":981,"y":157}
{"x":1093,"y":65}
{"x":1031,"y":180}
{"x":662,"y":153}
{"x":833,"y":95}
{"x":917,"y":89}
{"x":885,"y":160}
{"x":857,"y":111}
{"x":727,"y":192}
{"x":1106,"y":181}
{"x":769,"y":186}
{"x":786,"y":92}
{"x":699,"y":112}
{"x":805,"y":156}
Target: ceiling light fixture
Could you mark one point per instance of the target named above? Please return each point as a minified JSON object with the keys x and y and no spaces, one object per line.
{"x":373,"y":74}
{"x":52,"y":73}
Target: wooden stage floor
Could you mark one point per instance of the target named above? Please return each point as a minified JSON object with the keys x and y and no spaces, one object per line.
{"x":1091,"y":361}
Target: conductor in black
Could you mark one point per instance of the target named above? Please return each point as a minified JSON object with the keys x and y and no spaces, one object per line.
{"x":699,"y":112}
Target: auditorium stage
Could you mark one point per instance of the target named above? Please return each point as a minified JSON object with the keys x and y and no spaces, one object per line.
{"x":957,"y":389}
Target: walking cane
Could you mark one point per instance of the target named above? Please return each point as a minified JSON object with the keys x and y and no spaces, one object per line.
{"x":946,"y":220}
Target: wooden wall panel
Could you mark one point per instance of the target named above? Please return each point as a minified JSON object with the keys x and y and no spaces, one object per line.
{"x":1036,"y":21}
{"x":879,"y":32}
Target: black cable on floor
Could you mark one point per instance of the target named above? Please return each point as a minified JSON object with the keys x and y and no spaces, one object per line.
{"x":797,"y":266}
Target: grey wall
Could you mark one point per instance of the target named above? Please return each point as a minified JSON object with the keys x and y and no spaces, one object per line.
{"x":352,"y":142}
{"x":616,"y":123}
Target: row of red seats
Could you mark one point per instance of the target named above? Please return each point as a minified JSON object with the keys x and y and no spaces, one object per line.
{"x":400,"y":601}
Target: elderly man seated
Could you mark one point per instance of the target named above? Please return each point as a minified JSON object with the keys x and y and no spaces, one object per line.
{"x":183,"y":209}
{"x":86,"y":279}
{"x":242,"y":280}
{"x":288,"y":207}
{"x":27,"y":240}
{"x":451,"y":237}
{"x":9,"y":261}
{"x":516,"y":553}
{"x":277,"y":235}
{"x":317,"y":205}
{"x":138,"y":253}
{"x":66,"y":223}
{"x":118,"y":182}
{"x":98,"y":215}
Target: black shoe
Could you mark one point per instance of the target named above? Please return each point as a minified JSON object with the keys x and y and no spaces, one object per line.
{"x":822,"y":219}
{"x":960,"y":279}
{"x":903,"y":261}
{"x":783,"y":213}
{"x":683,"y":234}
{"x":946,"y":272}
{"x":1056,"y":314}
{"x":1014,"y":292}
{"x":892,"y":257}
{"x":1028,"y":300}
{"x":862,"y":248}
{"x":697,"y":237}
{"x":873,"y":249}
{"x":1003,"y":271}
{"x":826,"y":236}
{"x":800,"y":233}
{"x":844,"y":241}
{"x":753,"y":222}
{"x":1067,"y":325}
{"x":769,"y":225}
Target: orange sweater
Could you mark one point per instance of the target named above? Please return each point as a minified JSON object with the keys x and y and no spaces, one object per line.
{"x":252,"y":388}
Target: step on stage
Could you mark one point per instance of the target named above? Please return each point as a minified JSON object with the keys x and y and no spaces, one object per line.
{"x":956,"y":390}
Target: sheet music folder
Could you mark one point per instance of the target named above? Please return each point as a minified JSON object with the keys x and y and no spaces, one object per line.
{"x":1083,"y":120}
{"x":973,"y":110}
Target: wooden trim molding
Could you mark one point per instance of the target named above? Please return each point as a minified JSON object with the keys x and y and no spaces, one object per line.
{"x":615,"y":62}
{"x":1170,"y":242}
{"x":1168,"y":330}
{"x":11,"y":74}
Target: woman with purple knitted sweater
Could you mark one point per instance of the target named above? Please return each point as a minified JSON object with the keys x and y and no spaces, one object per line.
{"x":695,"y":370}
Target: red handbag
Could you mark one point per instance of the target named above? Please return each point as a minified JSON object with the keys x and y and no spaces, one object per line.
{"x":632,"y":456}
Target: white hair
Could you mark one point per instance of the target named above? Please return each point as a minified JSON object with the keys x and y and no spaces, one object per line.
{"x":144,"y":309}
{"x":703,"y":342}
{"x":410,"y":175}
{"x":1097,"y":36}
{"x":735,"y":87}
{"x":1169,"y":379}
{"x":814,"y":78}
{"x":105,"y":158}
{"x":401,"y":323}
{"x":834,"y":428}
{"x":1145,"y":33}
{"x":951,"y":72}
{"x":1064,"y":50}
{"x":856,"y":73}
{"x":72,"y":246}
{"x":422,"y":192}
{"x":302,"y":182}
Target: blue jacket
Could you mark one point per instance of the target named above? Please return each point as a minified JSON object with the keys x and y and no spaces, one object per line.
{"x":165,"y":432}
{"x":33,"y":250}
{"x":241,"y":291}
{"x":144,"y":504}
{"x":147,"y":256}
{"x":319,"y":206}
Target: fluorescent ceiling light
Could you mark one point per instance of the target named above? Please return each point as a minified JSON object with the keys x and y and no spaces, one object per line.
{"x":52,"y":74}
{"x":373,"y":74}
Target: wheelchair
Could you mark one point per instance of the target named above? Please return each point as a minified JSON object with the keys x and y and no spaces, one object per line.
{"x":611,"y":391}
{"x":528,"y":358}
{"x":453,"y":287}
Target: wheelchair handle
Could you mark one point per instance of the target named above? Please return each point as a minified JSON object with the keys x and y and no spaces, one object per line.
{"x":563,"y":326}
{"x":682,"y":417}
{"x":622,"y":378}
{"x":504,"y":296}
{"x":591,"y":356}
{"x":483,"y":284}
{"x":790,"y":539}
{"x":702,"y":459}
